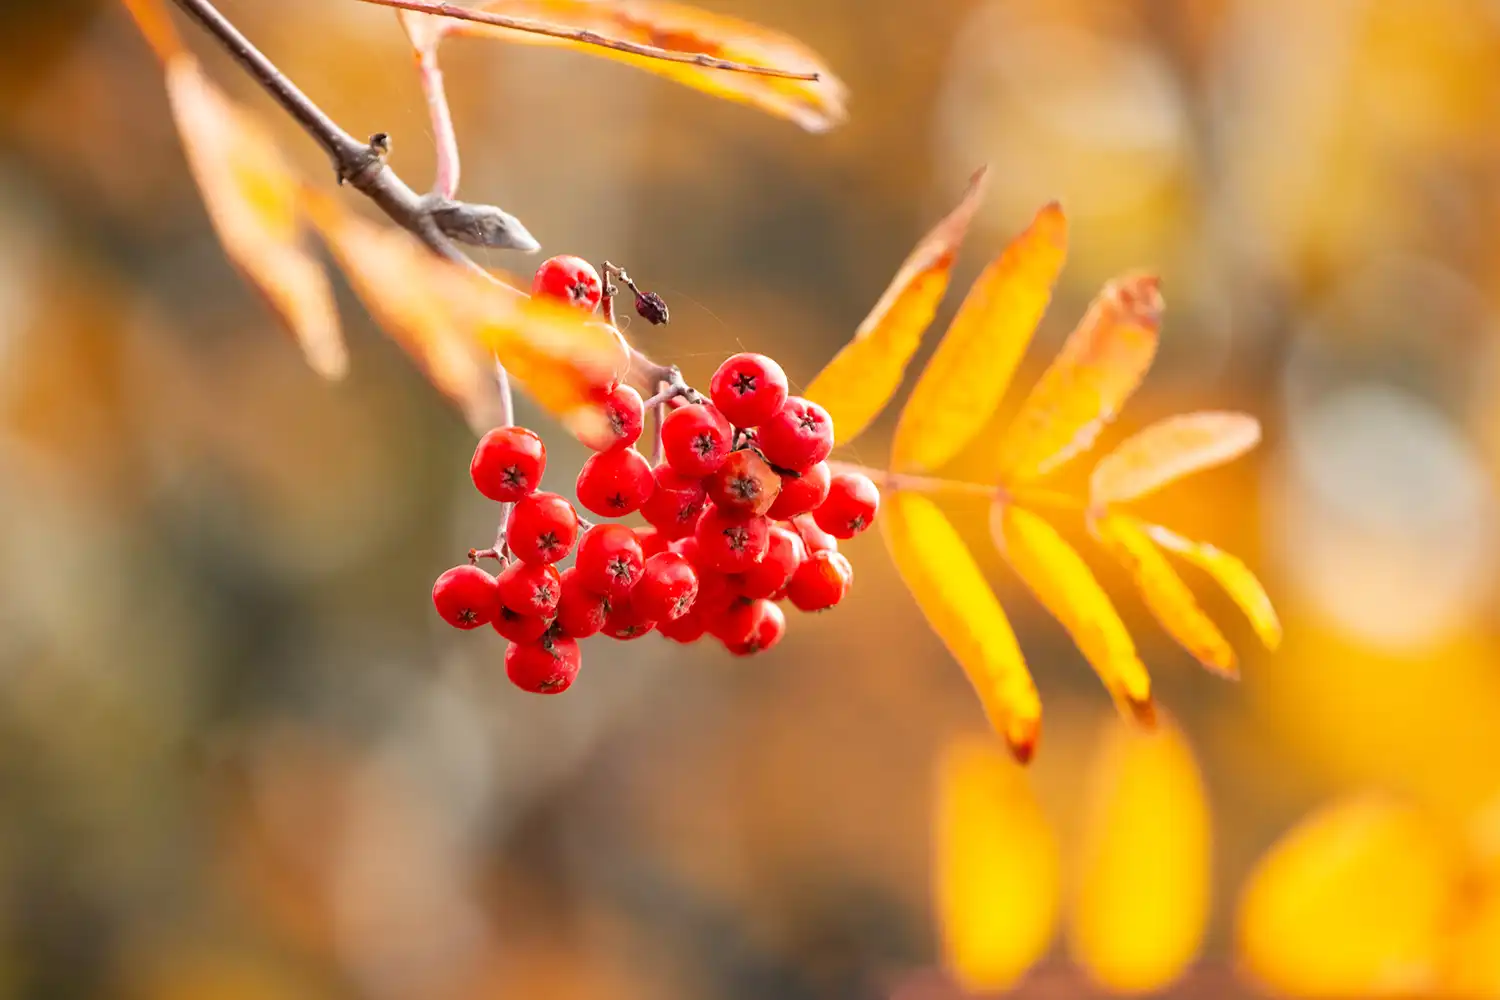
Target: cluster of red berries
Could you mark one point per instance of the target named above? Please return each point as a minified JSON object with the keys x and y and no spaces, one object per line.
{"x":742,"y":513}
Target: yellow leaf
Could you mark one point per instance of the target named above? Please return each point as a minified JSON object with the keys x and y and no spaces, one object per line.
{"x":1356,"y":901}
{"x":1474,"y":963}
{"x":1142,"y":902}
{"x":855,"y":386}
{"x":1060,"y":579}
{"x":1169,"y":450}
{"x":454,"y":321}
{"x":155,"y":22}
{"x":252,"y":198}
{"x":1099,"y":367}
{"x":1233,"y":575}
{"x":995,"y":868}
{"x":814,"y":105}
{"x":973,"y":364}
{"x":948,"y":586}
{"x":1164,"y":592}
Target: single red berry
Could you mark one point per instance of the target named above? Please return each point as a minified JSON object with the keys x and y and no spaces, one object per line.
{"x":784,"y":554}
{"x":610,"y":560}
{"x":731,"y":543}
{"x":801,"y":494}
{"x":508,"y":463}
{"x":814,"y":537}
{"x":748,"y":389}
{"x":744,"y":484}
{"x":688,"y":628}
{"x":624,"y":419}
{"x":520,"y":628}
{"x":530,"y":589}
{"x":798,"y":437}
{"x":752,"y":627}
{"x":568,"y":279}
{"x":542,"y":528}
{"x":625,"y":620}
{"x":548,"y":665}
{"x":667,"y":589}
{"x":581,"y":611}
{"x":852,"y":503}
{"x":466,"y":597}
{"x":614,"y":483}
{"x":675,"y":502}
{"x":820,"y":582}
{"x":652,"y":541}
{"x":695,"y":440}
{"x":688,"y":549}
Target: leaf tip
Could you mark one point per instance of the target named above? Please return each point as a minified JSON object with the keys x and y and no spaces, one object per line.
{"x":1142,"y":710}
{"x":1022,"y":736}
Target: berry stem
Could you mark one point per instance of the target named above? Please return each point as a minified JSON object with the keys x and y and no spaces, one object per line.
{"x":444,"y":138}
{"x":888,"y":480}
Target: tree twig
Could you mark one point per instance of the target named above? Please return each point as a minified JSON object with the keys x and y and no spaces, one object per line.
{"x":444,"y":138}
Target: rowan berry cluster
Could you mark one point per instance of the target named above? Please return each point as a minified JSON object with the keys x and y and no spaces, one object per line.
{"x":742,"y":512}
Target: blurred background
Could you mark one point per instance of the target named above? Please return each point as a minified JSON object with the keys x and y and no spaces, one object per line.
{"x":240,"y":757}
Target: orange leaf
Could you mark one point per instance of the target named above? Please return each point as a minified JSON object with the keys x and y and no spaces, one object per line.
{"x":1100,"y":365}
{"x":814,"y":105}
{"x":1060,"y":579}
{"x":948,"y":586}
{"x":1233,"y":575}
{"x":1169,"y":450}
{"x":252,"y":198}
{"x":155,"y":22}
{"x":1356,"y":901}
{"x":995,"y":868}
{"x":1165,"y":593}
{"x":1142,"y":902}
{"x":855,"y":386}
{"x":1474,"y":966}
{"x":454,"y":321}
{"x":973,"y":364}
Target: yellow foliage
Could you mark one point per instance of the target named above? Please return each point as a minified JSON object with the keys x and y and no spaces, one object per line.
{"x":1169,"y":450}
{"x":1233,"y":575}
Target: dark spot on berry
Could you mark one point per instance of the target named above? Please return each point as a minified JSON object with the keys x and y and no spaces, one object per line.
{"x":616,"y":422}
{"x":856,"y":523}
{"x":548,"y":542}
{"x":807,"y":421}
{"x":619,"y":568}
{"x":514,"y":476}
{"x":467,"y":616}
{"x":548,"y":685}
{"x":618,"y":501}
{"x":744,"y":488}
{"x":684,"y":604}
{"x":744,"y":383}
{"x":739,"y":537}
{"x":704,"y":444}
{"x":543,"y":593}
{"x":578,"y":291}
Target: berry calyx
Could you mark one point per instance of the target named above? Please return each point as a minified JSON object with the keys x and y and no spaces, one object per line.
{"x":547,"y":665}
{"x":696,"y":439}
{"x":530,"y":589}
{"x":508,"y":463}
{"x":730,"y":543}
{"x":749,"y":389}
{"x":744,"y":484}
{"x":784,"y":553}
{"x":667,"y":589}
{"x":625,"y":620}
{"x":542,"y":528}
{"x":751,"y":628}
{"x":580,"y":611}
{"x":466,"y":597}
{"x":801,"y":494}
{"x":624,"y":419}
{"x":822,"y":581}
{"x":614,"y":483}
{"x":569,"y":279}
{"x":610,"y":560}
{"x":520,"y":628}
{"x":853,"y":500}
{"x":798,"y":437}
{"x":675,"y":502}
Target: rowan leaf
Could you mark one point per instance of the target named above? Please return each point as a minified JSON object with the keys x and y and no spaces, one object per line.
{"x":815,"y":105}
{"x":454,"y":322}
{"x":1142,"y":902}
{"x":958,"y":603}
{"x":252,"y":196}
{"x":1233,"y":575}
{"x":972,"y":367}
{"x":1356,"y":901}
{"x":1164,"y":591}
{"x":995,"y":868}
{"x":1099,"y":367}
{"x":855,"y":386}
{"x":1168,"y":450}
{"x":1062,"y":581}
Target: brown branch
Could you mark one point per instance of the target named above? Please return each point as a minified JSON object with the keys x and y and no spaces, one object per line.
{"x":585,"y":37}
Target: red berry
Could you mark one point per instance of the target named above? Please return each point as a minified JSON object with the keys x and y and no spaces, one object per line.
{"x":581,"y":611}
{"x":568,"y":279}
{"x":542,"y":528}
{"x":851,"y":505}
{"x":675,"y":502}
{"x":465,"y":597}
{"x":814,"y":537}
{"x":545,"y":666}
{"x":729,"y":543}
{"x":520,"y":628}
{"x":784,"y":554}
{"x":820,"y":582}
{"x":610,"y":560}
{"x":625,"y":620}
{"x":744,"y":484}
{"x":667,"y":589}
{"x":508,"y":463}
{"x":696,"y":439}
{"x":798,"y":437}
{"x":530,"y":589}
{"x":717,"y":593}
{"x":689,"y":628}
{"x":624,"y":419}
{"x":801,"y":494}
{"x":748,"y":389}
{"x":750,"y":628}
{"x":652,"y":541}
{"x":614,"y":483}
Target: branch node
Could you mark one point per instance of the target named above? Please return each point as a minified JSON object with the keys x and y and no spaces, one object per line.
{"x":479,"y":225}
